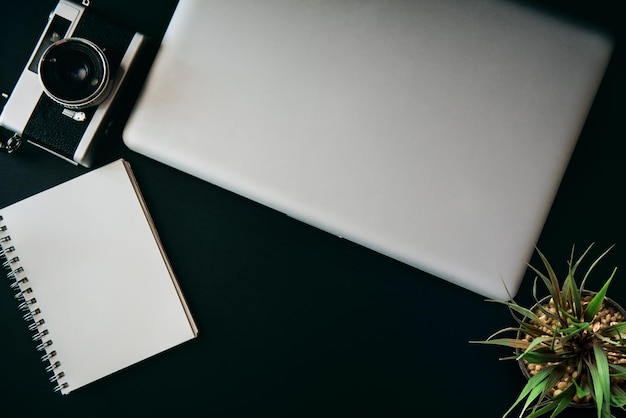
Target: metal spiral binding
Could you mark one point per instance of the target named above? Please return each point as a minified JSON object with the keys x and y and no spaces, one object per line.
{"x":25,"y":296}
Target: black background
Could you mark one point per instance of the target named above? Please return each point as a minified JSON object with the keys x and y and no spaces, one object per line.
{"x":293,"y":321}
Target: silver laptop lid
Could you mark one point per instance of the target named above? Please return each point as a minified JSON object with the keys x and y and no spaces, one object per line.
{"x":433,"y":131}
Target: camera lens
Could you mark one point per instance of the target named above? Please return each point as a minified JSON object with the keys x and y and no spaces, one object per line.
{"x":74,"y":72}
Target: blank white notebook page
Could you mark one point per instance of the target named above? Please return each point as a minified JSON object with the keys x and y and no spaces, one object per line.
{"x":100,"y":277}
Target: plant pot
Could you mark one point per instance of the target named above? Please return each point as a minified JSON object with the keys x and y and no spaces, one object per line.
{"x":607,"y":303}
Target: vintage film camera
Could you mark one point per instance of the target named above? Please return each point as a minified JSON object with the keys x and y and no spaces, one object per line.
{"x":62,"y":100}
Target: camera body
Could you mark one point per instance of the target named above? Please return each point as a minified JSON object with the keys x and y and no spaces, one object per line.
{"x":63,"y":98}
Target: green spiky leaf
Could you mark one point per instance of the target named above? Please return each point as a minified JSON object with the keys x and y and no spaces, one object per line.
{"x":551,"y":281}
{"x":590,"y":269}
{"x":618,"y":397}
{"x":505,"y":342}
{"x":563,"y":400}
{"x":537,"y":385}
{"x":546,"y":356}
{"x":581,"y":392}
{"x":614,"y":330}
{"x":543,"y":410}
{"x":570,"y":282}
{"x":620,"y":371}
{"x":600,"y":380}
{"x":594,"y":305}
{"x":527,"y":313}
{"x":533,"y":344}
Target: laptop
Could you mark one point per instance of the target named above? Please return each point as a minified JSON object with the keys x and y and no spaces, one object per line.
{"x":435,"y":132}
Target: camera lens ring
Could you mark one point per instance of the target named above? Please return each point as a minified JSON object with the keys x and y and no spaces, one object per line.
{"x":74,"y":72}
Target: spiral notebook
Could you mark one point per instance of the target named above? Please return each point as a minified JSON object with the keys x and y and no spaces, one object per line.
{"x":77,"y":256}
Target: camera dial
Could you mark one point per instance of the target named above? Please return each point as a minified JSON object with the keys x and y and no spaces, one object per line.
{"x":74,"y":72}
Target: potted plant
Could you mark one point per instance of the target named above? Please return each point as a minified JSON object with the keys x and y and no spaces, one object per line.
{"x":571,"y":345}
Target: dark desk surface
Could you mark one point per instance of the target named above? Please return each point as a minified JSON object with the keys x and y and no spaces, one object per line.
{"x":293,"y":321}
